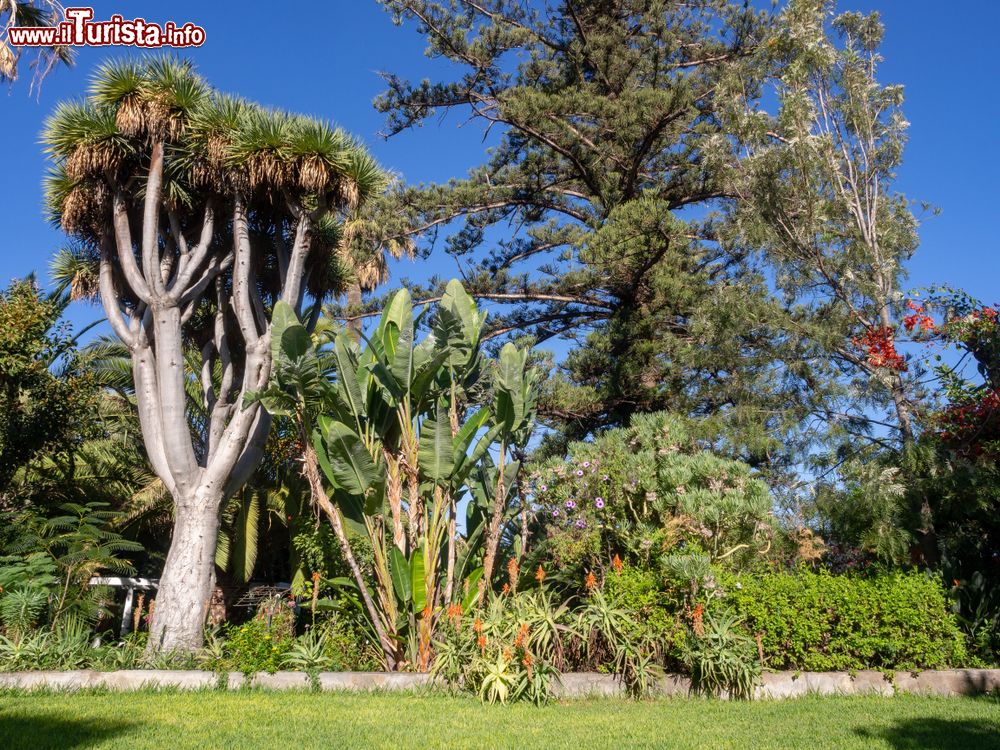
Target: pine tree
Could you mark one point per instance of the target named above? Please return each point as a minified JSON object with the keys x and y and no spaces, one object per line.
{"x":595,"y":217}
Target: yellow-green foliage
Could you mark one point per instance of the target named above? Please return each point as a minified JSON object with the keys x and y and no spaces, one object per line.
{"x":818,"y":621}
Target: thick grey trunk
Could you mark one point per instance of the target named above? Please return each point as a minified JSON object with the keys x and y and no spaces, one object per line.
{"x":188,"y":577}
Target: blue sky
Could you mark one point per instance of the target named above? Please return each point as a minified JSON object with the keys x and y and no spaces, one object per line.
{"x":323,"y":59}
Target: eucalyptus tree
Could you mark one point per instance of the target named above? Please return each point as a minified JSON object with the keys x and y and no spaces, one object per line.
{"x":817,"y":194}
{"x":204,"y":210}
{"x":390,"y":448}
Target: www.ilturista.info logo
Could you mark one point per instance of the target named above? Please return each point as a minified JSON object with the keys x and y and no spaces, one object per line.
{"x":79,"y":30}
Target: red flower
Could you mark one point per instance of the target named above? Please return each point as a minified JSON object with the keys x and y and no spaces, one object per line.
{"x":879,"y":345}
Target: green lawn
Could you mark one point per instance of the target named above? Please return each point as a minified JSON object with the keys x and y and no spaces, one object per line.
{"x":261,"y":720}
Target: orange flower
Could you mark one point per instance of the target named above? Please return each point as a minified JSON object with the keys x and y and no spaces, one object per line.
{"x":513,"y":569}
{"x":477,"y":625}
{"x":455,"y":613}
{"x":590,"y":581}
{"x":505,"y":589}
{"x":315,"y":576}
{"x":507,"y":655}
{"x":522,"y":635}
{"x":617,"y":564}
{"x":698,"y":621}
{"x":481,"y":642}
{"x":540,"y":574}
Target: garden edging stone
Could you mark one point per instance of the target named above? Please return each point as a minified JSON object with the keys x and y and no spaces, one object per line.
{"x":774,"y":685}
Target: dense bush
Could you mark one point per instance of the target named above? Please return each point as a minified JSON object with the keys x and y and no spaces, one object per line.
{"x":258,"y":645}
{"x":642,"y":491}
{"x":654,"y":612}
{"x":348,"y":647}
{"x":817,"y":621}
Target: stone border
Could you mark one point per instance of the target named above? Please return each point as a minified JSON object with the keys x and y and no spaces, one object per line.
{"x":774,"y":685}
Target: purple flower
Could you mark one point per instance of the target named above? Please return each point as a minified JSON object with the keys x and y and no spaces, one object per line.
{"x":581,"y":524}
{"x":599,"y":503}
{"x":570,"y":504}
{"x":586,"y":464}
{"x":555,"y":512}
{"x":579,"y":472}
{"x":543,"y":488}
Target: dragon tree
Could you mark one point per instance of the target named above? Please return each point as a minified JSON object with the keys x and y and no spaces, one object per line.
{"x":202,"y":211}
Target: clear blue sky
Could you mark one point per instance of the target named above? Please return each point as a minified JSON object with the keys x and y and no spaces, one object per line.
{"x":322,"y":58}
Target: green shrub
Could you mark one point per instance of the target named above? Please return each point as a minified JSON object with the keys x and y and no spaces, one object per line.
{"x":252,"y":647}
{"x":639,"y":492}
{"x":640,"y":592}
{"x":822,"y":622}
{"x":21,"y":609}
{"x":349,"y":647}
{"x":721,"y":658}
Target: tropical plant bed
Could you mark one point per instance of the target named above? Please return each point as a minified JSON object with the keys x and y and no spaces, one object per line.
{"x":947,"y":682}
{"x":258,"y":719}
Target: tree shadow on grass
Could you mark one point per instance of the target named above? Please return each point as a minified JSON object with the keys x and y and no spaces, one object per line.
{"x":43,"y":732}
{"x":937,"y":734}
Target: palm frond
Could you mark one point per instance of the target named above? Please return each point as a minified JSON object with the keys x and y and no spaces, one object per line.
{"x":75,"y":269}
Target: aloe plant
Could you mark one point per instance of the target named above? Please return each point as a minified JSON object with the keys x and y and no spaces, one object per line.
{"x":391,"y":444}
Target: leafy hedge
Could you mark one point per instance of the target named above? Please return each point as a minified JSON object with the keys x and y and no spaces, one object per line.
{"x":821,"y":622}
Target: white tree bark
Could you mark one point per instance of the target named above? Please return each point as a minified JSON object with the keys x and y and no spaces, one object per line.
{"x":168,"y":277}
{"x":188,"y":575}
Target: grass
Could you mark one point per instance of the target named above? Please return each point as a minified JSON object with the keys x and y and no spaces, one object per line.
{"x":265,"y":720}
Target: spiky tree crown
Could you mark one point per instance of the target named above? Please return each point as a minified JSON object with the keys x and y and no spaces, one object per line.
{"x":216,"y":148}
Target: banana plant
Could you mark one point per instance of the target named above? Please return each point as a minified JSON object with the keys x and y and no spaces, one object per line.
{"x":390,"y":446}
{"x":514,"y":407}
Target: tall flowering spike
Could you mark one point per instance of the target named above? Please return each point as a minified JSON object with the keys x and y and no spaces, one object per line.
{"x":616,"y":564}
{"x":513,"y":570}
{"x":590,"y":581}
{"x":540,"y":574}
{"x":522,"y":635}
{"x":697,"y":620}
{"x":455,"y":614}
